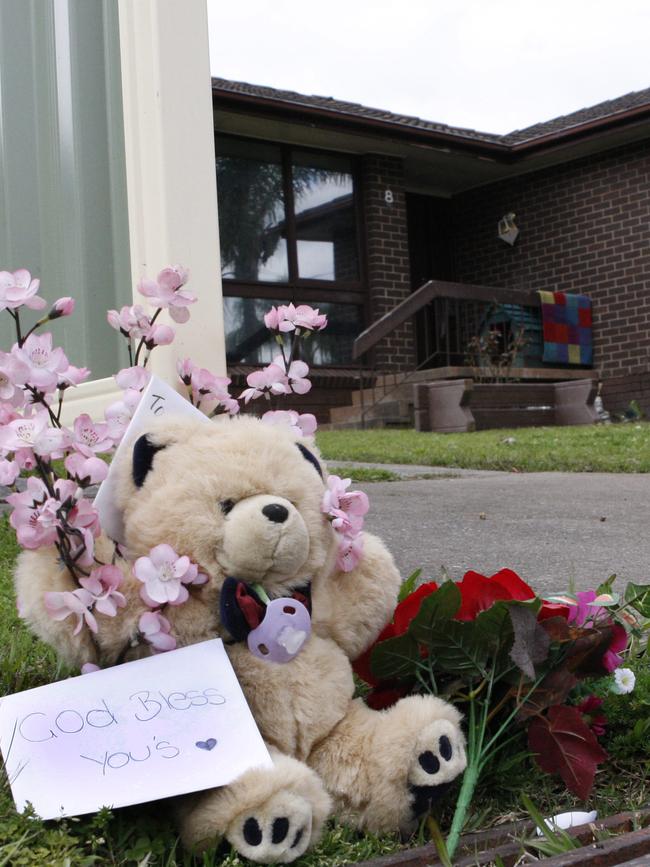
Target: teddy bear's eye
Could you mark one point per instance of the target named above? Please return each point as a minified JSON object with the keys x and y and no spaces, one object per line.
{"x":226,"y":506}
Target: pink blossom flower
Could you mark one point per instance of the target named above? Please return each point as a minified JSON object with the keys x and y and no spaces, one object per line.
{"x":60,"y":605}
{"x":158,"y":335}
{"x":185,"y":367}
{"x":17,"y":289}
{"x":13,"y":374}
{"x":338,"y":497}
{"x":119,"y":414}
{"x":131,"y":321}
{"x":273,"y":318}
{"x":103,"y":583}
{"x":346,"y":525}
{"x":66,"y":491}
{"x":89,"y":667}
{"x":84,"y":518}
{"x":302,"y":425}
{"x":87,"y":471}
{"x":296,"y":375}
{"x":133,"y":377}
{"x":349,"y":553}
{"x":164,"y":574}
{"x":7,"y":413}
{"x":9,"y":471}
{"x":207,"y":389}
{"x":36,"y":525}
{"x":167,"y":292}
{"x":61,"y":307}
{"x":73,"y":376}
{"x":34,"y":433}
{"x":156,"y":630}
{"x":308,"y":318}
{"x":90,"y":438}
{"x":289,"y":318}
{"x":25,"y":458}
{"x":44,"y":363}
{"x":272,"y":378}
{"x":35,"y":492}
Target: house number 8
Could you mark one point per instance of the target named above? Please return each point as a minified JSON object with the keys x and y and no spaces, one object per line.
{"x":388,"y":197}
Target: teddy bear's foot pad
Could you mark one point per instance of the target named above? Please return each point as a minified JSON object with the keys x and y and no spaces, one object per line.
{"x":278,"y":831}
{"x":439,"y":759}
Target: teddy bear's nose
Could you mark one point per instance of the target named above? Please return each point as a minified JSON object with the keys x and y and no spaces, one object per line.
{"x":276,"y":513}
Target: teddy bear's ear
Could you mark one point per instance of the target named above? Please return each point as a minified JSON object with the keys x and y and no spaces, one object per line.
{"x":307,"y":455}
{"x":144,"y":451}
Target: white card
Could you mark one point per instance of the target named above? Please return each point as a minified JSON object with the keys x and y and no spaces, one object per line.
{"x":158,"y":399}
{"x":169,"y":724}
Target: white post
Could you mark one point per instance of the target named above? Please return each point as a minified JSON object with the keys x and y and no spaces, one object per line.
{"x":170,"y":166}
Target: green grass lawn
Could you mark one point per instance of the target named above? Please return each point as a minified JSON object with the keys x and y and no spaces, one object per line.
{"x":143,"y":836}
{"x":615,"y":448}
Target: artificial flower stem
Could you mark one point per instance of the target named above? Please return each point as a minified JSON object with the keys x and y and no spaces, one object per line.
{"x":261,"y":592}
{"x":470,"y":779}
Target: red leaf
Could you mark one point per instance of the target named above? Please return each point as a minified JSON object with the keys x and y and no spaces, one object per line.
{"x":565,"y":745}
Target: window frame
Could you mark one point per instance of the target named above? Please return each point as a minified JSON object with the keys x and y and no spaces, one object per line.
{"x":300,"y":289}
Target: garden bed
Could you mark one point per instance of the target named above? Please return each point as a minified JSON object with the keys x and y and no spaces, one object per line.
{"x":623,"y":839}
{"x":461,"y":405}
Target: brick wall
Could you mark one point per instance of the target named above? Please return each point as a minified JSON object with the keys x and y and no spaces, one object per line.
{"x":584,"y":227}
{"x":387,"y":255}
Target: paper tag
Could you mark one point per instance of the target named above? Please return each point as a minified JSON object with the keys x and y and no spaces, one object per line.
{"x":173,"y":723}
{"x":157,"y":400}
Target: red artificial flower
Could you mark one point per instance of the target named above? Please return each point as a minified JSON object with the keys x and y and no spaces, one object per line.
{"x":596,"y":722}
{"x":385,"y":696}
{"x":553,"y":609}
{"x":405,"y":612}
{"x":408,"y":608}
{"x":479,"y":592}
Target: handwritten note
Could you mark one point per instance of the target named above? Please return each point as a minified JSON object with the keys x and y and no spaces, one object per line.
{"x":149,"y":729}
{"x":158,"y":399}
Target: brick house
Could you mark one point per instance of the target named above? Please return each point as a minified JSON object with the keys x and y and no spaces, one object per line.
{"x":352,"y":209}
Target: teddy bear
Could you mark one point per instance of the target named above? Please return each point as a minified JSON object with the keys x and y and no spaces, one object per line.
{"x":243,"y":500}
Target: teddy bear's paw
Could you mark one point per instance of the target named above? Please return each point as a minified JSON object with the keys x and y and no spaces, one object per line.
{"x":439,"y":759}
{"x":278,"y":831}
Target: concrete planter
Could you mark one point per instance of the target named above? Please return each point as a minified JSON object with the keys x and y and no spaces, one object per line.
{"x":460,"y":405}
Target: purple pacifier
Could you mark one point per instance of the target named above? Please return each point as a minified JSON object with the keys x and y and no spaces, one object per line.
{"x":283,"y":632}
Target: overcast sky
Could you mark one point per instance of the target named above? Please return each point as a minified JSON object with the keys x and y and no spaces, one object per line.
{"x":492,"y":65}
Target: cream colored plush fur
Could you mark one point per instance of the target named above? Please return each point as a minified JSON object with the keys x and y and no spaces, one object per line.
{"x":330,"y":751}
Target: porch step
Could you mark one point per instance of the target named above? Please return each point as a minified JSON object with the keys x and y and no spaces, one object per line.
{"x":389,"y":413}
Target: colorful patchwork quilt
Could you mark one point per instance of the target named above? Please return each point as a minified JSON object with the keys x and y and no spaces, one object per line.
{"x":566,"y":321}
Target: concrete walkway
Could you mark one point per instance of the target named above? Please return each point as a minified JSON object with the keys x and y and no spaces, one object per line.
{"x":551,"y":528}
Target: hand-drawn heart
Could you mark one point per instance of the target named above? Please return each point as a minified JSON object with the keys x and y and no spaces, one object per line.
{"x":208,"y":745}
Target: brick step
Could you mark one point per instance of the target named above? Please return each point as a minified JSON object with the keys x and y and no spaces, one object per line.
{"x":370,"y":423}
{"x":384,"y":410}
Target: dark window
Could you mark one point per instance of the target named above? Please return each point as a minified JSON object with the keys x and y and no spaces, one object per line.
{"x":288,"y":224}
{"x":251,"y":212}
{"x":247,"y":339}
{"x":326,"y":238}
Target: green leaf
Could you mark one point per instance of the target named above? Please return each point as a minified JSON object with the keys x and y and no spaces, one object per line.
{"x":457,"y":648}
{"x":409,"y":585}
{"x":395,"y":658}
{"x":606,"y":586}
{"x":436,"y":610}
{"x":638,"y":596}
